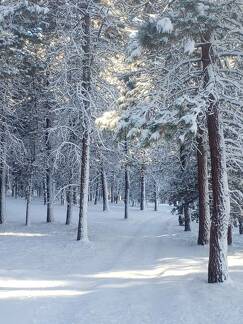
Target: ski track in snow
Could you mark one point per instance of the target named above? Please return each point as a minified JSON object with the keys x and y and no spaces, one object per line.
{"x":143,"y":270}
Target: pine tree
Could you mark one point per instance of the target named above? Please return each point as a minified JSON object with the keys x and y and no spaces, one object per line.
{"x":196,"y":45}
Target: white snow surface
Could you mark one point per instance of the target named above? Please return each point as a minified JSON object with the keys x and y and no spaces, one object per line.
{"x":143,"y":270}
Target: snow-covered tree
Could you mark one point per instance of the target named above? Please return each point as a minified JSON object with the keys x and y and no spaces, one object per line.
{"x":195,"y":48}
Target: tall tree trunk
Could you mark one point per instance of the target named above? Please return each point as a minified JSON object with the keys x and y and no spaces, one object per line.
{"x":3,"y":194}
{"x":127,"y":190}
{"x":44,"y":193}
{"x":28,"y":200}
{"x":230,"y":234}
{"x":85,"y":160}
{"x":104,"y":189}
{"x":49,"y":176}
{"x":142,"y":187}
{"x":113,"y":188}
{"x":74,"y":195}
{"x":180,"y":220}
{"x":185,"y":206}
{"x":155,"y":196}
{"x":97,"y":190}
{"x":84,"y":189}
{"x":127,"y":183}
{"x":3,"y":174}
{"x":217,"y":267}
{"x":187,"y":217}
{"x":204,"y":211}
{"x":62,"y":198}
{"x":241,"y":225}
{"x":49,"y":196}
{"x":16,"y":188}
{"x":90,"y":195}
{"x":69,"y":197}
{"x":180,"y":215}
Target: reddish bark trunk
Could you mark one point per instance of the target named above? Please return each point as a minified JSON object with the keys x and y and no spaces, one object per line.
{"x":204,"y":213}
{"x":217,"y":267}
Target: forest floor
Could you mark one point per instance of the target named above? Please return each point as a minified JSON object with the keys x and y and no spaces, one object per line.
{"x":143,"y":270}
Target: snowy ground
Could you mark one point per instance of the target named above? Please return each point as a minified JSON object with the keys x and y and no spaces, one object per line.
{"x":144,"y":270}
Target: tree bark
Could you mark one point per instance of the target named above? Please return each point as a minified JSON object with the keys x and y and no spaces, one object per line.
{"x":187,"y":217}
{"x":3,"y":194}
{"x":204,"y":211}
{"x":180,"y":216}
{"x":74,"y":195}
{"x":44,"y":193}
{"x":240,"y":225}
{"x":142,"y":188}
{"x":62,"y":198}
{"x":49,"y":196}
{"x":230,"y":235}
{"x":85,"y":160}
{"x":84,"y":189}
{"x":3,"y":174}
{"x":69,"y":197}
{"x":104,"y":189}
{"x":28,"y":201}
{"x":127,"y":183}
{"x":91,"y":194}
{"x":49,"y":171}
{"x":155,"y":197}
{"x":113,"y":188}
{"x":96,"y":191}
{"x":217,"y":267}
{"x":16,"y":188}
{"x":180,"y":220}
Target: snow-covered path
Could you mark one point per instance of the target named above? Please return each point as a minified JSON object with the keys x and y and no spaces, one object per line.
{"x":144,"y":270}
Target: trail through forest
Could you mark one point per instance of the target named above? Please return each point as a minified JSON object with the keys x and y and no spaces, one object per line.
{"x":143,"y":270}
